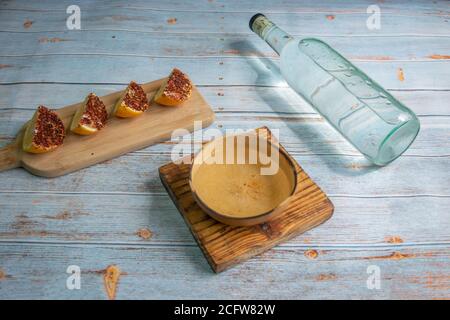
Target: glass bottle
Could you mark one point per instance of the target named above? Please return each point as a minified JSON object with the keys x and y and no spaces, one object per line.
{"x":368,"y":116}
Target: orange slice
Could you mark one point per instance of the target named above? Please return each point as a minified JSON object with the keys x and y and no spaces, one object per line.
{"x":132,"y":103}
{"x":44,"y":132}
{"x":90,"y":117}
{"x":175,"y":90}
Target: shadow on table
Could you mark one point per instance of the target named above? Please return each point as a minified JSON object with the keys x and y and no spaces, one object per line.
{"x":178,"y":228}
{"x":269,"y":72}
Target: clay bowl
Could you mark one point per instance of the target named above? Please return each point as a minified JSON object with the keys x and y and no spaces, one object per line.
{"x":242,"y":180}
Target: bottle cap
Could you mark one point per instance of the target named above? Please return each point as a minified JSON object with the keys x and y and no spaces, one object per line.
{"x":250,"y":23}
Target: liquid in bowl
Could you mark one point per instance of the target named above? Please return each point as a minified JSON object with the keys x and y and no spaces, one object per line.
{"x":238,"y":193}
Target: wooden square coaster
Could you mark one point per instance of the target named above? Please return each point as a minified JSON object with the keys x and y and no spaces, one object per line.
{"x":225,"y":246}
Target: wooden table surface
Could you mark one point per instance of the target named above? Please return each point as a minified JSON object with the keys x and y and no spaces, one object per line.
{"x":395,"y":219}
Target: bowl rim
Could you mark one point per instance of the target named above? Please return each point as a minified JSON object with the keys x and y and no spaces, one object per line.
{"x":209,"y":210}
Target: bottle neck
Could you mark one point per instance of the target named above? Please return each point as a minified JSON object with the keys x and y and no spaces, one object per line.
{"x":270,"y":32}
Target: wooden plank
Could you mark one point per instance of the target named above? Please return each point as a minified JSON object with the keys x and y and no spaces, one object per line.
{"x":301,"y":134}
{"x":336,"y":174}
{"x":318,"y":6}
{"x":226,"y":246}
{"x":120,"y":219}
{"x":221,"y":71}
{"x":38,"y":271}
{"x":220,"y":22}
{"x":223,"y":99}
{"x":206,"y":45}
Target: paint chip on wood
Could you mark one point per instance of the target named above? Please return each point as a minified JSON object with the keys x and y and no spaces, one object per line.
{"x":330,"y":17}
{"x":393,"y":256}
{"x":376,"y":58}
{"x":66,"y":215}
{"x":326,"y":277}
{"x":394,"y":239}
{"x":27,"y":24}
{"x":434,"y":281}
{"x":354,"y":166}
{"x":51,"y":40}
{"x":111,"y":280}
{"x":311,"y":254}
{"x":172,"y":20}
{"x":400,"y":74}
{"x":144,"y":233}
{"x":2,"y":275}
{"x":232,"y":51}
{"x":439,"y":57}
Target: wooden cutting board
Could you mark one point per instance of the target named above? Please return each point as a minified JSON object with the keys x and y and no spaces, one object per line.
{"x":225,"y":246}
{"x":120,"y":136}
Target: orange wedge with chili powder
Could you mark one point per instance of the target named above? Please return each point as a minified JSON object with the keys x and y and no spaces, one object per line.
{"x":45,"y":132}
{"x":132,"y":103}
{"x":175,"y":90}
{"x":90,"y":117}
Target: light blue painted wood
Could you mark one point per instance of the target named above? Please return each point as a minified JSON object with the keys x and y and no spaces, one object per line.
{"x":364,"y":48}
{"x":336,"y":174}
{"x":116,"y":219}
{"x":394,"y":217}
{"x":232,"y":71}
{"x":181,"y":272}
{"x":302,"y":134}
{"x":223,"y":99}
{"x":439,"y":7}
{"x":152,"y":21}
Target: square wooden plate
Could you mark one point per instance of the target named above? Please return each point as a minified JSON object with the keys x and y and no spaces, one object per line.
{"x":225,"y":246}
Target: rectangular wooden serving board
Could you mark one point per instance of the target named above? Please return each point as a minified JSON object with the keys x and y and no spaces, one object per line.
{"x":225,"y":246}
{"x":120,"y":136}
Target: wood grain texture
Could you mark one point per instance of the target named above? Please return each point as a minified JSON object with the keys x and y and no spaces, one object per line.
{"x":155,"y":21}
{"x":240,"y":71}
{"x":225,"y":246}
{"x":379,"y":49}
{"x":38,"y":271}
{"x":120,"y":136}
{"x":438,"y":7}
{"x":301,"y":133}
{"x":352,"y":176}
{"x":232,"y":100}
{"x":116,"y":218}
{"x":396,"y":218}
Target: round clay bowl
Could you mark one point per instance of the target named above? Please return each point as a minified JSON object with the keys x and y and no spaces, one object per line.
{"x":242,"y":182}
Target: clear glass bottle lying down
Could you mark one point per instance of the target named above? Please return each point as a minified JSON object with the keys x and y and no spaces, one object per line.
{"x":376,"y":123}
